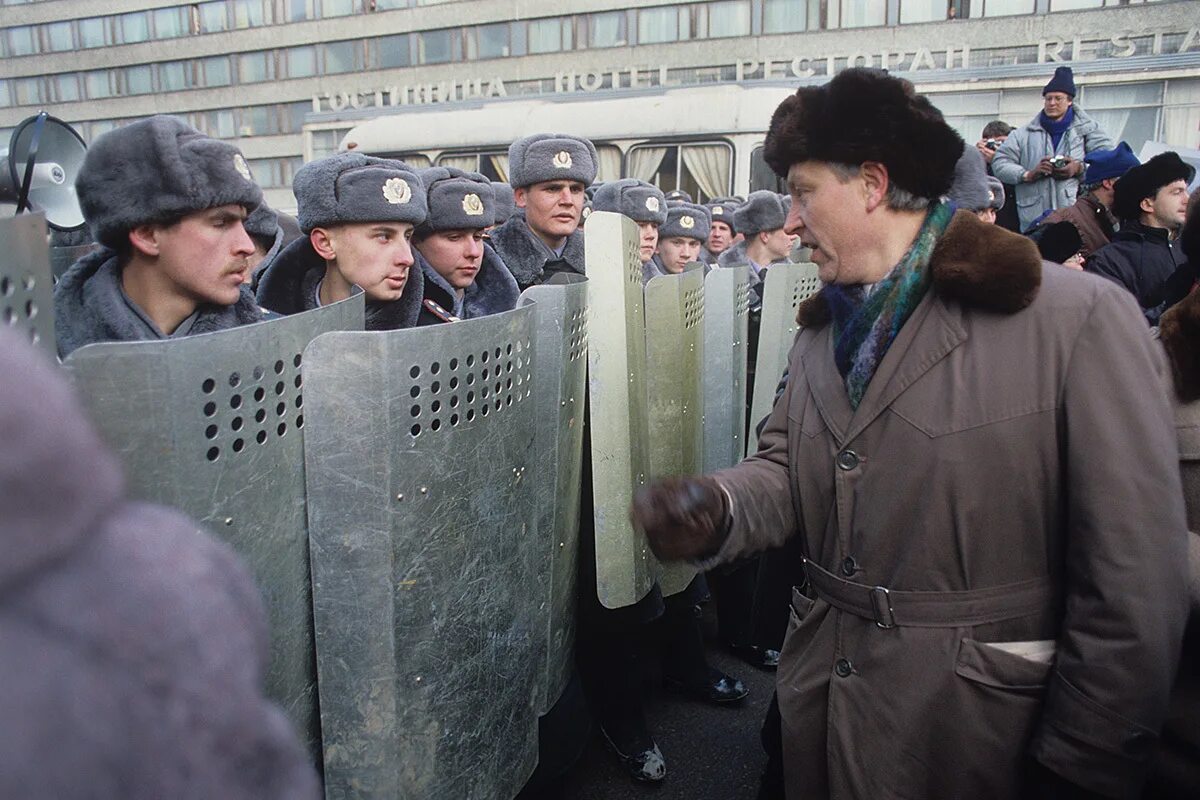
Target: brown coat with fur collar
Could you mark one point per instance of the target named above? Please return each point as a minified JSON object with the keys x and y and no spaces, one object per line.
{"x":1007,"y":446}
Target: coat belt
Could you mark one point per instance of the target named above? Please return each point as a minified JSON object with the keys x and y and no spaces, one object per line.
{"x":891,"y":608}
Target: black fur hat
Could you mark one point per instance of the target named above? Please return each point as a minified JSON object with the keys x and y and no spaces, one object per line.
{"x":1059,"y":241}
{"x":1145,"y":180}
{"x":867,"y":115}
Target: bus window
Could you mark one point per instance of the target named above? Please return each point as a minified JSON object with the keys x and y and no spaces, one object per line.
{"x":491,"y":164}
{"x":702,"y":169}
{"x":762,"y":176}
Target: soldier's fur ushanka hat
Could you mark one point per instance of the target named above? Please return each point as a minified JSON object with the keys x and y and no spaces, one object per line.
{"x":157,"y":171}
{"x":457,"y":200}
{"x":1145,"y":180}
{"x":356,"y":188}
{"x":866,"y":115}
{"x":638,"y":200}
{"x":505,"y":205}
{"x":551,"y":157}
{"x":687,"y":220}
{"x":763,"y":210}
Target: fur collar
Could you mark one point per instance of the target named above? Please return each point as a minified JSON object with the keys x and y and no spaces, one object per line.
{"x":494,"y":290}
{"x":979,"y":265}
{"x":734,"y":256}
{"x":527,"y":257}
{"x":1179,"y":330}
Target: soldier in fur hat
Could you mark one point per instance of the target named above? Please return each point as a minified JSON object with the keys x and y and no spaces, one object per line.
{"x":643,"y":203}
{"x":721,"y":231}
{"x":992,"y":606}
{"x":166,"y":205}
{"x":681,"y":237}
{"x":358,"y":214}
{"x":1151,"y":202}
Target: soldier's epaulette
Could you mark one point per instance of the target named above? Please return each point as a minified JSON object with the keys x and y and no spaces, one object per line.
{"x":439,"y":312}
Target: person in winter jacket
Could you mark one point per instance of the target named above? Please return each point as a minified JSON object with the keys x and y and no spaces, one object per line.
{"x":642,"y":202}
{"x":721,"y":233}
{"x":1091,"y":214}
{"x":681,"y":237}
{"x":992,"y":606}
{"x":358,"y":214}
{"x":463,"y":276}
{"x":1151,"y":202}
{"x":167,"y":205}
{"x":134,"y":642}
{"x":1044,"y":159}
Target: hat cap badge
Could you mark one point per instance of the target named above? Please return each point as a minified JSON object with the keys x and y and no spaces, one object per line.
{"x":472,"y":205}
{"x":397,"y":191}
{"x":652,"y":204}
{"x":686,"y":222}
{"x":586,"y":212}
{"x":718,"y":211}
{"x":241,"y":166}
{"x":562,"y":159}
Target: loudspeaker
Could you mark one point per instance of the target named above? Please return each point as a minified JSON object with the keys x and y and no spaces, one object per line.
{"x":38,"y":170}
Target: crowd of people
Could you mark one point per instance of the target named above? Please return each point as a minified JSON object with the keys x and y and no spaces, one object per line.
{"x":973,"y":451}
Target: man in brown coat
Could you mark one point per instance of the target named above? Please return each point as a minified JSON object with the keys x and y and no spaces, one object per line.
{"x":1091,"y":214}
{"x":985,"y":488}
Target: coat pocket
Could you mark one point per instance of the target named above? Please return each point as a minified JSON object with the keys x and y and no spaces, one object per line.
{"x":1016,"y":666}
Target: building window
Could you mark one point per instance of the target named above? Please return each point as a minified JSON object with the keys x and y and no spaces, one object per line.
{"x":216,"y":71}
{"x":275,"y":173}
{"x":139,"y":79}
{"x":174,"y":76}
{"x":438,"y":47}
{"x":1128,"y":112}
{"x":702,"y":169}
{"x":923,"y":10}
{"x":337,"y":8}
{"x":1000,"y":8}
{"x":299,"y":10}
{"x":294,"y":118}
{"x":606,"y":29}
{"x":1072,"y":5}
{"x":218,"y":124}
{"x":251,"y":13}
{"x":301,"y":62}
{"x":256,"y":67}
{"x":341,"y":57}
{"x":258,"y":121}
{"x":22,"y":41}
{"x":968,"y":112}
{"x":791,"y":16}
{"x":66,"y":87}
{"x":5,"y":101}
{"x":545,"y":36}
{"x":58,"y":37}
{"x":97,"y":84}
{"x":856,"y":13}
{"x":389,"y":52}
{"x":26,"y":91}
{"x":211,"y":17}
{"x":489,"y":41}
{"x":169,"y":23}
{"x":719,"y":20}
{"x":658,"y":25}
{"x":325,"y":143}
{"x":94,"y":32}
{"x":134,"y":27}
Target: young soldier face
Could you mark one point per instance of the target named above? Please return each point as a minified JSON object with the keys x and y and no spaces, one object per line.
{"x":455,"y":255}
{"x":552,"y":208}
{"x":779,"y":243}
{"x":204,"y":255}
{"x":374,"y":255}
{"x":677,"y":252}
{"x":720,"y":236}
{"x":649,"y":240}
{"x":1168,"y":206}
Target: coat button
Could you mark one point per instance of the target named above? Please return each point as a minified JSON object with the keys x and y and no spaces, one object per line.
{"x":843,"y":668}
{"x":849,"y":566}
{"x":847,"y":460}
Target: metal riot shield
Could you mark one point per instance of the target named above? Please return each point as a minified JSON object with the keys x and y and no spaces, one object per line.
{"x":625,"y":567}
{"x":559,"y":383}
{"x":26,"y":285}
{"x":212,"y":425}
{"x":421,"y":464}
{"x":726,"y":313}
{"x":675,"y":313}
{"x":786,"y":286}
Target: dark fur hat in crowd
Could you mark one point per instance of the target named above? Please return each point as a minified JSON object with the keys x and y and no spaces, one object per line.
{"x":866,"y":115}
{"x":1145,"y":180}
{"x":1059,"y":241}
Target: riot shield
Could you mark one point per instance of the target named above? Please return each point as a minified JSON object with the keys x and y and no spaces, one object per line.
{"x":212,"y":425}
{"x":726,"y":312}
{"x":675,"y":314}
{"x":625,"y":567}
{"x":559,"y":383}
{"x":421,"y":463}
{"x":785,"y":287}
{"x":26,"y":285}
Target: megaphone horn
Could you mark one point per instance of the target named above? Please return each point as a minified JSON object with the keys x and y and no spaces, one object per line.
{"x":47,"y":185}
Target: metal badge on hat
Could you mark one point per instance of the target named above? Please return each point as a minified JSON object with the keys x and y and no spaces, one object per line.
{"x":397,"y":191}
{"x":718,"y":211}
{"x":686,"y":222}
{"x":241,"y":166}
{"x":472,"y":205}
{"x":562,"y":159}
{"x":652,"y":204}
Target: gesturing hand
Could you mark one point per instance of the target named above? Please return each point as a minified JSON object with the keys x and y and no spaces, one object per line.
{"x":683,"y":518}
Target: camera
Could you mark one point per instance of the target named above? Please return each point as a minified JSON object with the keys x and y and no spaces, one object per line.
{"x":1058,"y":162}
{"x":991,"y":144}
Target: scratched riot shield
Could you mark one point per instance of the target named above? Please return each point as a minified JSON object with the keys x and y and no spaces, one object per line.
{"x":213,"y":425}
{"x":559,"y":383}
{"x":786,"y":286}
{"x":421,"y":464}
{"x":625,"y":567}
{"x":726,"y":311}
{"x":675,"y":358}
{"x":26,"y":285}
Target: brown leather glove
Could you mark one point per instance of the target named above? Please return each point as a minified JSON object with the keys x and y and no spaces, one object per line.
{"x":683,"y":518}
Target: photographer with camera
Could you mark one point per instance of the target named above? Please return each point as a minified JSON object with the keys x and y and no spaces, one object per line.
{"x":994,"y":134}
{"x":1044,"y":159}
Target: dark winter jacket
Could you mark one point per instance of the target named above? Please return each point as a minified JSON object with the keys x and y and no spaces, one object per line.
{"x":134,"y":643}
{"x":528,"y":258}
{"x":289,"y":286}
{"x":90,"y":306}
{"x":493,"y":291}
{"x":1091,"y":218}
{"x":1147,"y":264}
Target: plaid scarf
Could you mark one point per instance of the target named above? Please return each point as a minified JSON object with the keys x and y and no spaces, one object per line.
{"x":864,"y":326}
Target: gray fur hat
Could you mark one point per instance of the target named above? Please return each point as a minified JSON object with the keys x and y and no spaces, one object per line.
{"x":505,"y":205}
{"x":996,"y":192}
{"x":722,"y":210}
{"x":156,"y":171}
{"x":762,"y":211}
{"x":352,"y":187}
{"x":677,"y":196}
{"x":969,"y":189}
{"x":263,"y":223}
{"x":551,"y":157}
{"x":638,"y":200}
{"x":457,"y":200}
{"x":686,"y":219}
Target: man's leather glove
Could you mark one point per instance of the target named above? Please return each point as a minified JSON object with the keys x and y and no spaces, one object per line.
{"x":683,"y":518}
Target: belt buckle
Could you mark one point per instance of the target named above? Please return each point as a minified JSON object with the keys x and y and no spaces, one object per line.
{"x":881,"y":607}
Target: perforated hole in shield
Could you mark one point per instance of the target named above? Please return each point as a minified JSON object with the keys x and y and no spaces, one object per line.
{"x":245,"y":409}
{"x":18,"y":307}
{"x":741,"y":305}
{"x":449,"y":393}
{"x":693,"y":308}
{"x":577,"y":334}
